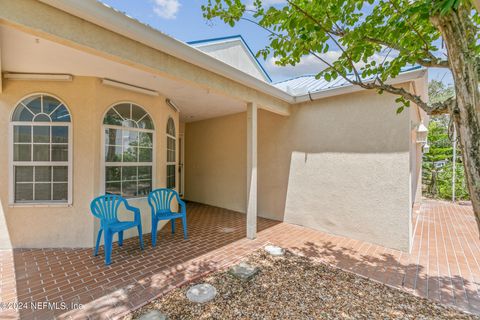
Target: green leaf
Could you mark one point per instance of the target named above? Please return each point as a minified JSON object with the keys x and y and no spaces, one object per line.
{"x":383,"y":37}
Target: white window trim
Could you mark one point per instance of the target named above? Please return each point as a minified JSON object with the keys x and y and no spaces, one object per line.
{"x":181,"y":163}
{"x":133,"y":164}
{"x":12,"y":163}
{"x":170,"y":163}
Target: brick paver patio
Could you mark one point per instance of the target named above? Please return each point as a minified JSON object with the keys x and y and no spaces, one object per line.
{"x":444,"y":263}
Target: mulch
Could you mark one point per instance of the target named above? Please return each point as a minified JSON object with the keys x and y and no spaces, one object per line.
{"x":295,"y":287}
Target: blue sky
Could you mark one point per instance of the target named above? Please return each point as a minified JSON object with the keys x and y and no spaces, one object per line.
{"x":183,"y":20}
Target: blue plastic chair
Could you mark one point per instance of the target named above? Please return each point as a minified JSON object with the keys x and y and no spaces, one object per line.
{"x":105,"y":208}
{"x":160,"y":201}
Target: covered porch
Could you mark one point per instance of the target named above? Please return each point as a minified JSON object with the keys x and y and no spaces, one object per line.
{"x":75,"y":276}
{"x":443,"y":265}
{"x":147,"y":75}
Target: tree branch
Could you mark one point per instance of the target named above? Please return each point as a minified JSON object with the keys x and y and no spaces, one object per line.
{"x":433,"y":109}
{"x":436,"y":108}
{"x":431,"y":62}
{"x":350,"y":60}
{"x":427,"y":48}
{"x":444,"y":107}
{"x":310,"y":51}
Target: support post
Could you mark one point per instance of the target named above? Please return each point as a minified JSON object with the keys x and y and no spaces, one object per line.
{"x":454,"y":162}
{"x":251,"y":170}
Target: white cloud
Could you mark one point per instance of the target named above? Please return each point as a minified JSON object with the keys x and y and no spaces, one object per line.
{"x":308,"y":65}
{"x":166,"y":9}
{"x":311,"y":65}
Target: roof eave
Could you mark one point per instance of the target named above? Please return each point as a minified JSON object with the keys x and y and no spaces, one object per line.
{"x":99,"y":14}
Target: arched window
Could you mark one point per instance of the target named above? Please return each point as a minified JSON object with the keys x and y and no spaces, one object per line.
{"x":42,"y":156}
{"x":129,"y":150}
{"x":171,"y":154}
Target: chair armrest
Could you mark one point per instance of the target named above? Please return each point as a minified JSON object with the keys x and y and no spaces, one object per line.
{"x":181,"y":203}
{"x":152,"y":206}
{"x":135,"y":210}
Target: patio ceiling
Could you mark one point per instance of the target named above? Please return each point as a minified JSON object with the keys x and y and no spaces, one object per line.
{"x":26,"y":53}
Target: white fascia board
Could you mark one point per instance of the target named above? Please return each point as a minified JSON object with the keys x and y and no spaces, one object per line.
{"x":214,"y":42}
{"x":100,"y":14}
{"x":401,"y":78}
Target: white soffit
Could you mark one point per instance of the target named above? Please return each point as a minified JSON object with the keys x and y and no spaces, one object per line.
{"x":25,"y":53}
{"x":116,"y":21}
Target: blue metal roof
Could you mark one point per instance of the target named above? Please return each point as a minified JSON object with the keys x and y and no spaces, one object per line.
{"x":309,"y":84}
{"x":239,"y":37}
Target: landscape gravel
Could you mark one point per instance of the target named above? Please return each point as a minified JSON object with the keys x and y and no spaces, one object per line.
{"x":295,"y":287}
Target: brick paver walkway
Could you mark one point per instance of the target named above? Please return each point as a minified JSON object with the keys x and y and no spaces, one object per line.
{"x":444,"y":263}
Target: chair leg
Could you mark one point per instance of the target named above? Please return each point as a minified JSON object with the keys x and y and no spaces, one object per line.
{"x":154,"y":232}
{"x":99,"y":236}
{"x":184,"y":225}
{"x":140,"y":235}
{"x":108,"y":247}
{"x":120,"y":238}
{"x":172,"y":222}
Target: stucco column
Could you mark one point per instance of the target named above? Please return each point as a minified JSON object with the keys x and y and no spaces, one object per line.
{"x":251,"y":170}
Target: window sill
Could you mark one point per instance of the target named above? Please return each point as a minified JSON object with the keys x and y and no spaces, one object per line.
{"x":40,"y":205}
{"x":136,"y":199}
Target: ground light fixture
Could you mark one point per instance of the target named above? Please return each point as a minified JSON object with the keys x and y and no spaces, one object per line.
{"x":422,"y":133}
{"x":426,"y":148}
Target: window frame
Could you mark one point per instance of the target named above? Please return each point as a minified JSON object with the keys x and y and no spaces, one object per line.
{"x":103,"y":162}
{"x":12,"y":163}
{"x":169,"y":163}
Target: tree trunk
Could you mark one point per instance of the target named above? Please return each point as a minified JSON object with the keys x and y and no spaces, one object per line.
{"x":458,"y":31}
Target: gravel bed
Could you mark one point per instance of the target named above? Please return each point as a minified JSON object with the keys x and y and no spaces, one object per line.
{"x":295,"y":287}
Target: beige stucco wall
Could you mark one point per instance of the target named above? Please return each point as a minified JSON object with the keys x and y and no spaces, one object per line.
{"x":73,"y":226}
{"x":339,"y":165}
{"x":343,"y":168}
{"x":215,"y":161}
